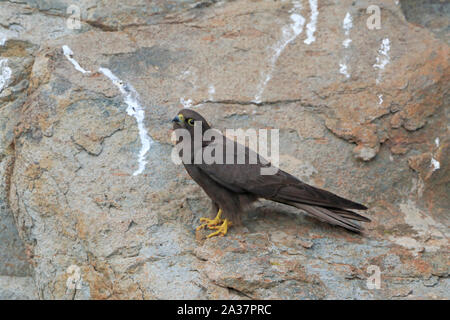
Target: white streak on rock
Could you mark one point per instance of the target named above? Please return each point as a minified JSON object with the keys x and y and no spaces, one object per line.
{"x":346,"y":42}
{"x":186,"y":103}
{"x":211,"y":91}
{"x":383,"y":54}
{"x":289,"y":33}
{"x":347,"y":24}
{"x":3,"y":41}
{"x":435,"y":164}
{"x":383,"y":58}
{"x":311,"y":26}
{"x":131,"y":98}
{"x":380,"y":99}
{"x":343,"y":70}
{"x":69,"y":55}
{"x":5,"y":74}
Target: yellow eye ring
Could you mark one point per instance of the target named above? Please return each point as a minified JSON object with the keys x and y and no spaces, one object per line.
{"x":190,"y":122}
{"x":181,"y":117}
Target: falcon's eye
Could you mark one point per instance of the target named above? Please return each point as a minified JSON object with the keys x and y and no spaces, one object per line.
{"x":190,"y":122}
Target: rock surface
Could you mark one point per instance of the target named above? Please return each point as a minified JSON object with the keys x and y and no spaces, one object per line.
{"x":363,"y":113}
{"x":17,"y":288}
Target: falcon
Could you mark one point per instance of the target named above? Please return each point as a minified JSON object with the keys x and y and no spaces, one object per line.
{"x":233,"y":187}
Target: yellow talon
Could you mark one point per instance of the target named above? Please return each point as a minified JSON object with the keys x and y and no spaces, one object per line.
{"x":221,"y":230}
{"x":219,"y":224}
{"x":211,"y":223}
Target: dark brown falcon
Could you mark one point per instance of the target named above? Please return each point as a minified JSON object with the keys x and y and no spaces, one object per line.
{"x":232,"y":187}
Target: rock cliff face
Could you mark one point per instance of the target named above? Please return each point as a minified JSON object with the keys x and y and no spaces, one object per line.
{"x":92,"y":207}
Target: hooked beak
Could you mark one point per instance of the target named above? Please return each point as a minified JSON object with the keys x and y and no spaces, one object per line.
{"x":176,"y":119}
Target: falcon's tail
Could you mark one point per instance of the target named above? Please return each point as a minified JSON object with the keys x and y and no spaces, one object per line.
{"x":340,"y":217}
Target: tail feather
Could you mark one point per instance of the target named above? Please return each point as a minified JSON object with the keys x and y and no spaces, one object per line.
{"x":304,"y":193}
{"x":349,"y":214}
{"x":339,"y":217}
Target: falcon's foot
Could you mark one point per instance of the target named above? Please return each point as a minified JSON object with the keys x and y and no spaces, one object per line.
{"x":211,"y":223}
{"x":221,"y":230}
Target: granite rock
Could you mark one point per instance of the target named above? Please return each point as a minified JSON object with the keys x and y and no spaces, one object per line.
{"x":101,"y":217}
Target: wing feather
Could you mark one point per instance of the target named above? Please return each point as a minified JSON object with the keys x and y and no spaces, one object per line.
{"x":284,"y":188}
{"x":247,"y":178}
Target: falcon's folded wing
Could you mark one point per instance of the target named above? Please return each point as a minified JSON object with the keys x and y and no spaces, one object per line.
{"x":285,"y":188}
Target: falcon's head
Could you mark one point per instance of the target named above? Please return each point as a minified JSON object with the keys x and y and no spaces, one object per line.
{"x":187,"y":119}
